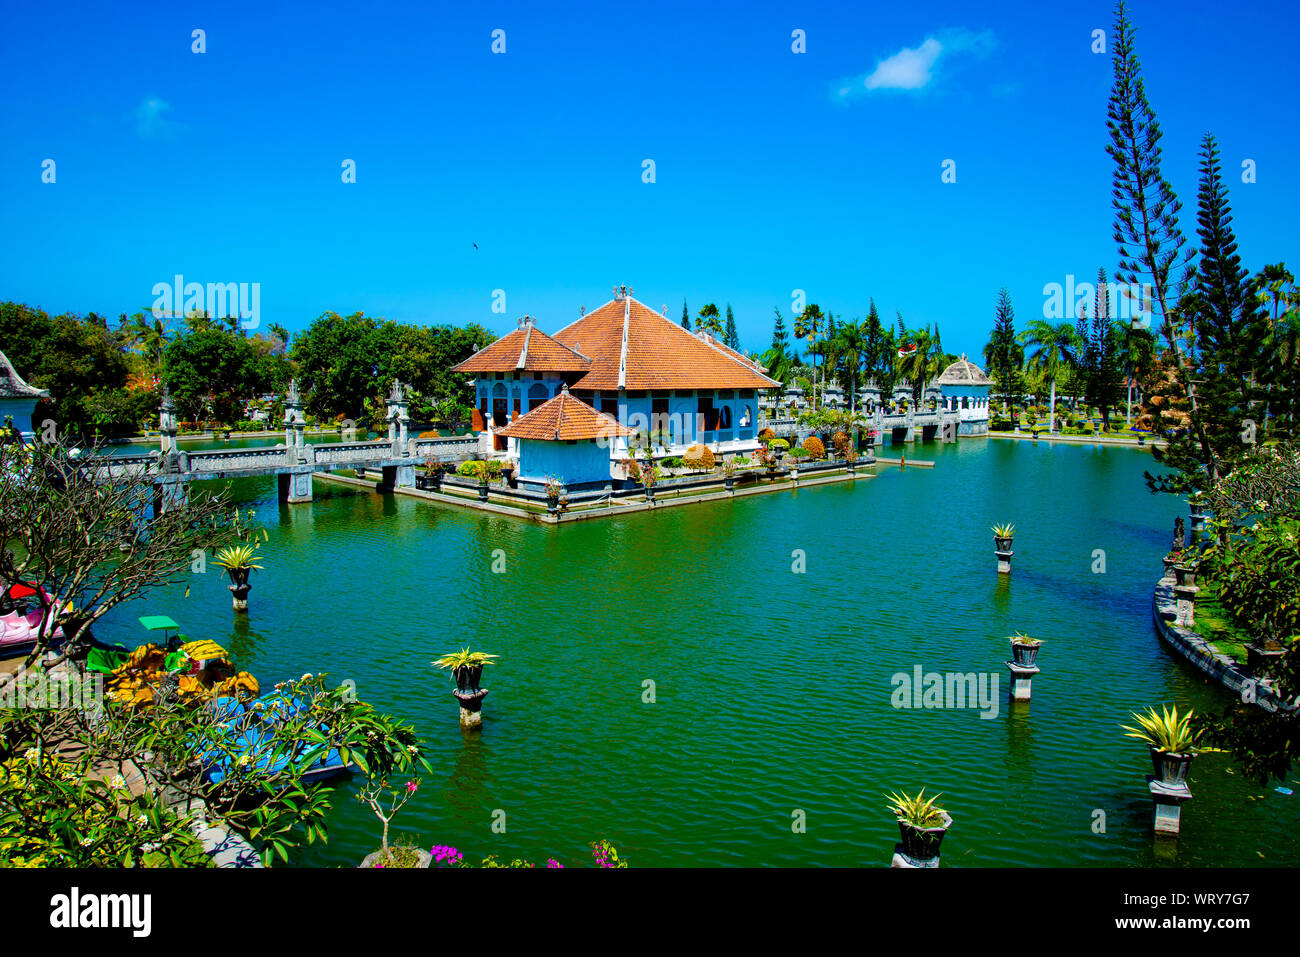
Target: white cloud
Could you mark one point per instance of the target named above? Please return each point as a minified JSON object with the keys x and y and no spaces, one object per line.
{"x":914,"y":68}
{"x":150,"y":119}
{"x":908,"y":69}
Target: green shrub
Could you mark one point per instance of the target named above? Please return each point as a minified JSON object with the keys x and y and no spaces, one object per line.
{"x":469,"y":469}
{"x":778,"y":445}
{"x":799,"y":452}
{"x":672,"y":462}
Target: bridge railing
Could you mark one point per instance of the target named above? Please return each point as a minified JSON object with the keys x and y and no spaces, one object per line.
{"x":235,"y":460}
{"x":446,"y":447}
{"x":349,"y":453}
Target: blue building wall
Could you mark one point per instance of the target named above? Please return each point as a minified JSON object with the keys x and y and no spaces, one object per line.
{"x":972,"y":404}
{"x":581,"y":464}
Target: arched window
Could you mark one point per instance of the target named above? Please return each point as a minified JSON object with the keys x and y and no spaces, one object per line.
{"x":537,"y":394}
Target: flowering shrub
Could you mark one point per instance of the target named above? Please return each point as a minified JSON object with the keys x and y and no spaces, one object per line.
{"x":444,"y":855}
{"x":431,"y":434}
{"x":698,"y":457}
{"x":766,"y":435}
{"x":604,"y":854}
{"x":778,"y":445}
{"x":841,"y":442}
{"x":469,"y":469}
{"x":813,"y":446}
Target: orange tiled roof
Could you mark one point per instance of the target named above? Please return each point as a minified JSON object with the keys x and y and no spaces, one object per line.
{"x":563,"y":418}
{"x":527,"y":349}
{"x":660,"y":353}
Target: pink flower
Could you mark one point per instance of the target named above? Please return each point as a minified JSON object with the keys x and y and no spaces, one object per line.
{"x":552,"y":862}
{"x":411,"y":787}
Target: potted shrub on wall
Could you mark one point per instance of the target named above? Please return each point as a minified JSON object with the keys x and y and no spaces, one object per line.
{"x":649,"y":475}
{"x":1003,"y":535}
{"x":466,"y":667}
{"x":1024,"y":650}
{"x":921,"y":824}
{"x":554,"y":489}
{"x":797,"y":455}
{"x":433,"y":472}
{"x":1171,"y":739}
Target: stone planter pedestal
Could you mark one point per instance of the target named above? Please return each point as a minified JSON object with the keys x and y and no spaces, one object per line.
{"x":1169,"y":568}
{"x":471,"y":708}
{"x":1168,"y":800}
{"x":1022,"y":679}
{"x":426,"y":859}
{"x":482,"y":492}
{"x":1004,"y":561}
{"x":1261,"y":657}
{"x":902,"y":860}
{"x":1184,"y":603}
{"x":240,"y":596}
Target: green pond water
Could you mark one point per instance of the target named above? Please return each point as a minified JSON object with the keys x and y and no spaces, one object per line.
{"x":773,"y":689}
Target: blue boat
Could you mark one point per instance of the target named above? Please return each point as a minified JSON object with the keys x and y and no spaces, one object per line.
{"x":254,"y":741}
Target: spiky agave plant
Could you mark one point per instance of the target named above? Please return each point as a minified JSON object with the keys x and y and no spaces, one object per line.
{"x":1165,"y":731}
{"x":916,"y":809}
{"x":1005,"y":530}
{"x":464,"y":659}
{"x":237,"y":557}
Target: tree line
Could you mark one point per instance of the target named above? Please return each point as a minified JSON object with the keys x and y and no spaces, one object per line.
{"x":106,"y":379}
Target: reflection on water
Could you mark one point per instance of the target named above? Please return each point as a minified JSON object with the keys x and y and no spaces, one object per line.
{"x":773,"y":688}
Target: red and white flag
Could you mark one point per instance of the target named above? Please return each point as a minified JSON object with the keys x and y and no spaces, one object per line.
{"x":907,"y":350}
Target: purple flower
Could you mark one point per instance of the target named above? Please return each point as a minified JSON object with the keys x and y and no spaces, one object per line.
{"x":552,"y":862}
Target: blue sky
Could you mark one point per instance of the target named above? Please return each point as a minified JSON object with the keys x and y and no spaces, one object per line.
{"x":226,"y":166}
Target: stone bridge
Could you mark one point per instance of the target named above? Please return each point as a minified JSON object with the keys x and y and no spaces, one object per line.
{"x":294,"y":462}
{"x":909,"y":426}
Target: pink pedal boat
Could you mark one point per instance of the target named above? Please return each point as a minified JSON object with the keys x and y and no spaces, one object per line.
{"x":20,"y":628}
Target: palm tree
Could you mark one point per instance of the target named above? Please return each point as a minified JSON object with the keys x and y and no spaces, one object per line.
{"x":807,"y":326}
{"x":1054,"y":348}
{"x":922,"y":364}
{"x":851,"y":347}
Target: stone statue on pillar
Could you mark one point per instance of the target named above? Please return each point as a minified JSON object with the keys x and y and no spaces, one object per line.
{"x":167,"y":428}
{"x":398,"y":420}
{"x":294,"y":423}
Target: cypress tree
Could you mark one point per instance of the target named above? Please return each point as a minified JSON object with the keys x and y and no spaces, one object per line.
{"x":1230,"y":330}
{"x":686,"y":317}
{"x":732,"y":337}
{"x":780,"y":337}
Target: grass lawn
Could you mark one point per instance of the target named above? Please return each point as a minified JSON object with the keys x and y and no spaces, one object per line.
{"x":1215,"y":625}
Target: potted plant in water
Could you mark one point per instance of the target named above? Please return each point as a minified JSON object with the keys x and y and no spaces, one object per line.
{"x":1172,"y":741}
{"x":386,"y":802}
{"x":921,"y":824}
{"x":1003,"y":535}
{"x":729,"y":474}
{"x":851,"y":459}
{"x":466,"y":667}
{"x":239,"y":561}
{"x":1024,"y":650}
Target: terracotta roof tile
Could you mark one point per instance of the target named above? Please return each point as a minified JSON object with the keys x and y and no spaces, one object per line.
{"x":563,"y":418}
{"x":12,"y":385}
{"x":539,"y":351}
{"x":660,"y":353}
